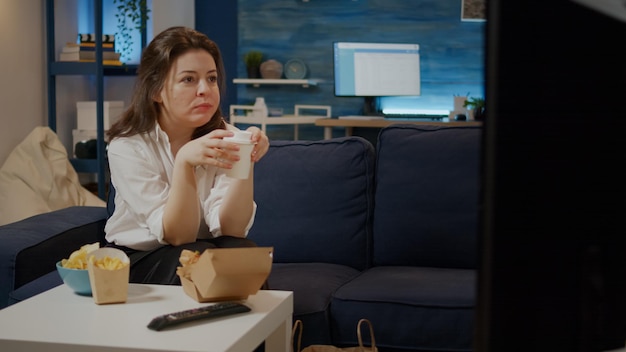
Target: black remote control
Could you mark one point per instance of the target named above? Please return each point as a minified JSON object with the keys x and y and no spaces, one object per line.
{"x":207,"y":312}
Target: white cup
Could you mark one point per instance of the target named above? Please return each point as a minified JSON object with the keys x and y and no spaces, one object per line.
{"x":241,"y":168}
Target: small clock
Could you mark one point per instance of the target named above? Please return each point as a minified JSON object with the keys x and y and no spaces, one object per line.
{"x":295,"y":69}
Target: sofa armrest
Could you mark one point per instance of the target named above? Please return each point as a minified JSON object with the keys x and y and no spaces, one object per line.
{"x":30,"y":248}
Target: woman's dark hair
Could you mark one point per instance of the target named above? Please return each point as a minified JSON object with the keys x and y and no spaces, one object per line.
{"x":156,"y":60}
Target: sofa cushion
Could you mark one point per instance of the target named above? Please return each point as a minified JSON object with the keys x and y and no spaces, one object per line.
{"x":412,"y":308}
{"x":315,"y":201}
{"x":427,"y":196}
{"x":313,"y":285}
{"x":37,"y":178}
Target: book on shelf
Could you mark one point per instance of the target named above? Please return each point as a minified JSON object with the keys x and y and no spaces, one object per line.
{"x":104,"y":62}
{"x":108,"y":62}
{"x":91,"y":38}
{"x":88,"y":55}
{"x":74,"y":47}
{"x":93,"y":45}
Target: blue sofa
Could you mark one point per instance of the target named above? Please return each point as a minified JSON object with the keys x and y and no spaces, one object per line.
{"x":385,"y":232}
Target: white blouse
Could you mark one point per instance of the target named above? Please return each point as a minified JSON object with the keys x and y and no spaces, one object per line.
{"x":141,"y":172}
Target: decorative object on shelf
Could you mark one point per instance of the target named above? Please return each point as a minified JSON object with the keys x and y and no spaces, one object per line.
{"x":459,"y":112}
{"x":298,"y":108}
{"x":253,"y":60}
{"x":131,"y":15}
{"x":275,"y":112}
{"x":86,"y":114}
{"x":90,"y":38}
{"x":295,"y":69}
{"x":271,"y":69}
{"x":473,"y":10}
{"x":86,"y":149}
{"x":260,"y":109}
{"x":477,"y":107}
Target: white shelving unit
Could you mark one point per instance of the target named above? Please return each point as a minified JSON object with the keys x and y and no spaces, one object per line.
{"x":97,"y":70}
{"x":256,"y":82}
{"x":264,"y":121}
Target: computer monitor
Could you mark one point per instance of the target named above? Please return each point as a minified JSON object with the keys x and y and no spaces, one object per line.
{"x":372,"y":70}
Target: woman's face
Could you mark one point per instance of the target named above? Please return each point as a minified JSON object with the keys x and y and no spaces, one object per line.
{"x":190,"y":95}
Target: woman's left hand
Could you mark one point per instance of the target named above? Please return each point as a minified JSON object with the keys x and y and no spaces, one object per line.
{"x":261,"y":143}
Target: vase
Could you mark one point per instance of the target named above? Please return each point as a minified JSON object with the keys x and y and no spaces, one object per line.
{"x":260,"y":109}
{"x":271,"y":69}
{"x":479,"y":114}
{"x":254,"y":72}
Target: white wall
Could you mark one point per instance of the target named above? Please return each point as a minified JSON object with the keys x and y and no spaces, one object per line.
{"x":22,"y":71}
{"x":23,"y":93}
{"x":168,"y":13}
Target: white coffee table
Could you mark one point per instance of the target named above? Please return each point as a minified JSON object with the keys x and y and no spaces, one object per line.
{"x":59,"y":320}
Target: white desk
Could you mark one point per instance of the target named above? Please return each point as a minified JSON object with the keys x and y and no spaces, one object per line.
{"x":281,"y":120}
{"x":295,"y":120}
{"x":59,"y":320}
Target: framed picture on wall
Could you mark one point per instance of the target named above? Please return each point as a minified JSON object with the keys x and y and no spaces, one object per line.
{"x":473,"y":10}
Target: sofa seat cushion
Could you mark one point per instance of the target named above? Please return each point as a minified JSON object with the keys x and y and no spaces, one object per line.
{"x":33,"y":288}
{"x":413,"y":308}
{"x":313,"y":285}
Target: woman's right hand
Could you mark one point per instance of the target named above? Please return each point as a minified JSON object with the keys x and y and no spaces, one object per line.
{"x":210,"y":149}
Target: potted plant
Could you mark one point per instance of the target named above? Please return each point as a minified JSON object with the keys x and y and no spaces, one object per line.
{"x":477,"y":105}
{"x":253,"y":61}
{"x":131,"y":15}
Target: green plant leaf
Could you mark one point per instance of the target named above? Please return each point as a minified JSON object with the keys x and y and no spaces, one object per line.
{"x":253,"y":58}
{"x":132,"y":14}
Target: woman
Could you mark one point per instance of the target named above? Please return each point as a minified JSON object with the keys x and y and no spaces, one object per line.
{"x":167,"y":158}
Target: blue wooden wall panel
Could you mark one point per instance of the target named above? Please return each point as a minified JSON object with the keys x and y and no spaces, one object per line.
{"x":452,"y":59}
{"x":452,"y":51}
{"x":220,"y":24}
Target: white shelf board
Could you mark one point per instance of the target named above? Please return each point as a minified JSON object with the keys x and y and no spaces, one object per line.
{"x":256,"y":82}
{"x":277,"y":120}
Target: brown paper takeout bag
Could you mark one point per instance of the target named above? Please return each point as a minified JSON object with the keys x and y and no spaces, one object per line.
{"x":109,"y":286}
{"x":224,"y":274}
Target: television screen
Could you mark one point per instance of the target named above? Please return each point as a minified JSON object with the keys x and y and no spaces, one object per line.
{"x":553,"y":248}
{"x":376,"y":69}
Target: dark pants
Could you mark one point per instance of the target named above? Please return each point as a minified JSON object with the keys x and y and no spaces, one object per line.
{"x":158,"y":266}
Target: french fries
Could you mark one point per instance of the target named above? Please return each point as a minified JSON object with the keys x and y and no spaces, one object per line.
{"x":78,"y":258}
{"x":107,"y":263}
{"x":187,"y":258}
